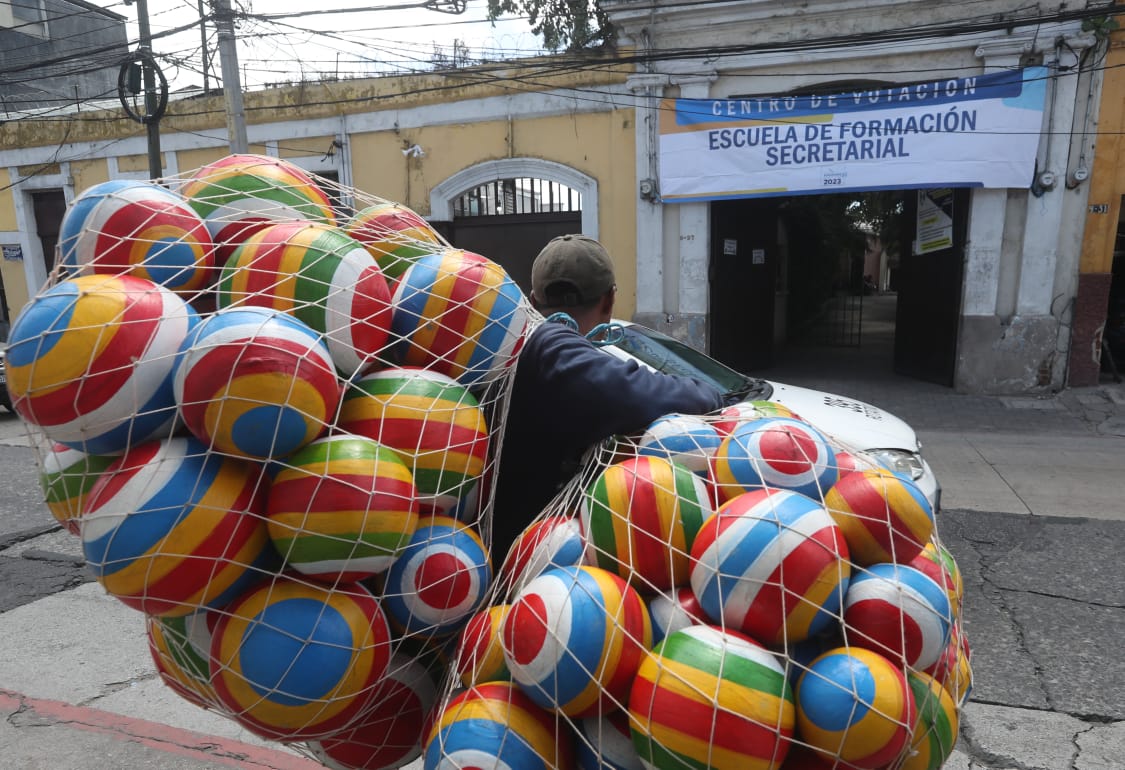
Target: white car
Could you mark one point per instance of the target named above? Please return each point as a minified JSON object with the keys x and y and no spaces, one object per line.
{"x":855,"y":424}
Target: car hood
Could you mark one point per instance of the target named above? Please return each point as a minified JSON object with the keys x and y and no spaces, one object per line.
{"x":855,"y":423}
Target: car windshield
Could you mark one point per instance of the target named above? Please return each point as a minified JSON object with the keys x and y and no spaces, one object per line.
{"x":668,"y":355}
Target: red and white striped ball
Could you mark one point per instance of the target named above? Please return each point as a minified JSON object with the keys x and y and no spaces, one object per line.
{"x":773,"y":564}
{"x":778,"y":452}
{"x":171,"y":527}
{"x":90,"y":361}
{"x":139,"y":228}
{"x":255,"y":383}
{"x":640,"y":517}
{"x":955,"y":669}
{"x":295,"y":661}
{"x":435,"y":424}
{"x":674,"y":610}
{"x":884,"y":517}
{"x":395,"y":236}
{"x":574,"y":639}
{"x":553,"y":541}
{"x":389,"y":734}
{"x":320,"y":275}
{"x":459,"y":314}
{"x":687,"y":439}
{"x":705,"y":697}
{"x":900,"y":613}
{"x":440,"y":580}
{"x":342,"y":508}
{"x":480,"y":657}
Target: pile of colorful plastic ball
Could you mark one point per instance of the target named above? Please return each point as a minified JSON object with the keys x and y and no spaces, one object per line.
{"x":268,"y":405}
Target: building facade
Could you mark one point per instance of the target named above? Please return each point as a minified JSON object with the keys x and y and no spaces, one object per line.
{"x":992,"y":311}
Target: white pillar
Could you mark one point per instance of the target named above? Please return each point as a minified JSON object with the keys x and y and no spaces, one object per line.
{"x":987,"y":207}
{"x":649,"y":88}
{"x":686,"y":271}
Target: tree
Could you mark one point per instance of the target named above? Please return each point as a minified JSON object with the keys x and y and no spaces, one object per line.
{"x":564,"y":24}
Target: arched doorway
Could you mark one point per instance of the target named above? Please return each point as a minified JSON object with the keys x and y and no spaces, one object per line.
{"x":507,"y":209}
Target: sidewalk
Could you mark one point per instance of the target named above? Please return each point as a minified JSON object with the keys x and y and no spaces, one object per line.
{"x":78,"y":689}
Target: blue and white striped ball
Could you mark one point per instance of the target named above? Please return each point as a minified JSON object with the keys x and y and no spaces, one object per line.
{"x":140,"y":228}
{"x":256,"y":383}
{"x":606,"y":743}
{"x":899,"y":612}
{"x":440,"y":580}
{"x":574,"y":640}
{"x":687,"y":439}
{"x":779,"y":452}
{"x":773,"y":564}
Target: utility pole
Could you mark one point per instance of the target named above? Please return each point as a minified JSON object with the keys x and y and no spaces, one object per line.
{"x":203,"y":47}
{"x":155,"y":162}
{"x":232,"y":86}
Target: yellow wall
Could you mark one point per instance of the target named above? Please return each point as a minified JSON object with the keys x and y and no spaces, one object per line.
{"x":1107,"y":180}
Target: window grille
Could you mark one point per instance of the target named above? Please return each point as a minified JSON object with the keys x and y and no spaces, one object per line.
{"x":523,"y":195}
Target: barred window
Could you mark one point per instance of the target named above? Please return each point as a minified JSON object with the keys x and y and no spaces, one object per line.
{"x":522,"y":195}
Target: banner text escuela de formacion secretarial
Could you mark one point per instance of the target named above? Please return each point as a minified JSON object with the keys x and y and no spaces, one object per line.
{"x":926,"y":122}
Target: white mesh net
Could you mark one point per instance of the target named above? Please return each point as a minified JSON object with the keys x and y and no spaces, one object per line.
{"x":271,"y":407}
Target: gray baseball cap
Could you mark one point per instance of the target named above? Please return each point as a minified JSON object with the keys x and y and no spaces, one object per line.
{"x":571,"y":271}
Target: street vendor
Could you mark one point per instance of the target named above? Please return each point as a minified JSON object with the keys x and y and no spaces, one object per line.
{"x":568,"y":395}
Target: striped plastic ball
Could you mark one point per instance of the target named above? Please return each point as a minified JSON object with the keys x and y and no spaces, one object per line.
{"x":705,"y":697}
{"x":294,"y":661}
{"x":390,"y":732}
{"x":855,"y":705}
{"x":553,"y":541}
{"x":435,"y":424}
{"x":237,"y":194}
{"x":181,"y":651}
{"x":674,"y":610}
{"x":730,"y":417}
{"x":689,"y":440}
{"x":955,"y":669}
{"x":935,"y":730}
{"x":779,"y":452}
{"x":255,"y":383}
{"x":574,"y":639}
{"x":342,"y":509}
{"x":480,"y":658}
{"x":773,"y":564}
{"x":138,"y":228}
{"x":440,"y":580}
{"x":66,"y":478}
{"x":394,"y":235}
{"x":459,"y":314}
{"x":938,"y":563}
{"x":641,"y":516}
{"x":900,"y":613}
{"x":606,"y":743}
{"x":171,"y":527}
{"x":883,"y":516}
{"x":495,"y":725}
{"x":90,"y":361}
{"x":319,"y":275}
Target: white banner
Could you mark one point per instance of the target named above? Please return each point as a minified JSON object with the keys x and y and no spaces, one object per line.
{"x":978,"y":131}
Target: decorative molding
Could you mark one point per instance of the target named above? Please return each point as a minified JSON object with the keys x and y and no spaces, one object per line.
{"x":443,"y":194}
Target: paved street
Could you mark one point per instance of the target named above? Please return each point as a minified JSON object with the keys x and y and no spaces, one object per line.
{"x":1032,"y":512}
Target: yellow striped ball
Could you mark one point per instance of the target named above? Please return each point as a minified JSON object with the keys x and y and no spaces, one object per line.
{"x":181,"y":650}
{"x":705,"y":697}
{"x":394,"y":235}
{"x":435,"y":424}
{"x":884,"y":517}
{"x":935,"y":730}
{"x":293,"y":661}
{"x":66,"y":478}
{"x":342,"y":509}
{"x":855,"y":705}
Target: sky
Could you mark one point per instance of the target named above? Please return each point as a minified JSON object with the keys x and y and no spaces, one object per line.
{"x":308,"y":40}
